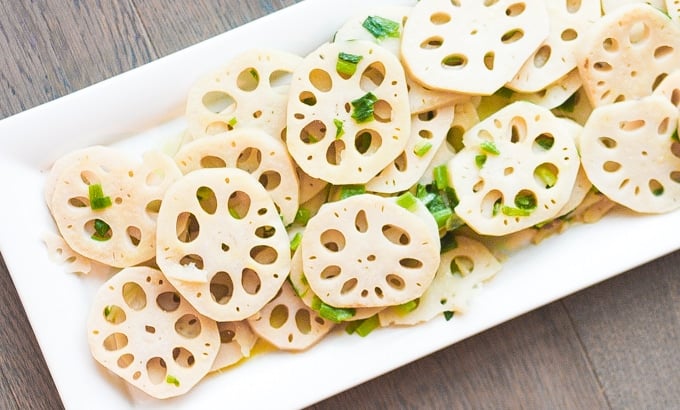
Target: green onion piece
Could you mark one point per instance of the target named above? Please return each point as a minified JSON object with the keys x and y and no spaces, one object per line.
{"x":675,"y":137}
{"x":510,"y":211}
{"x":350,"y":190}
{"x":102,"y":231}
{"x":97,"y":198}
{"x":504,"y":92}
{"x":527,"y":202}
{"x":490,"y":148}
{"x":658,"y":191}
{"x":172,"y":380}
{"x":448,"y":242}
{"x":441,"y":177}
{"x":368,"y":325}
{"x":545,"y":142}
{"x":480,"y":160}
{"x":545,"y":174}
{"x":302,"y":216}
{"x":351,"y":327}
{"x":232,"y":122}
{"x":496,"y":207}
{"x":295,"y":242}
{"x":442,"y":217}
{"x":407,"y":201}
{"x":331,"y":313}
{"x":381,"y":27}
{"x":569,"y":105}
{"x":422,"y":148}
{"x":339,"y":128}
{"x":448,"y":315}
{"x":347,"y":64}
{"x":363,"y":107}
{"x":406,"y":308}
{"x":451,"y":196}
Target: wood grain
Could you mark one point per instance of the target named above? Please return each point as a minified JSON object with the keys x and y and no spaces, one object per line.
{"x":612,"y":346}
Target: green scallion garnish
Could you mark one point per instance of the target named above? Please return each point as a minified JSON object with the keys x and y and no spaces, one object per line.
{"x":406,"y":308}
{"x":102,"y":231}
{"x":422,"y":148}
{"x":172,"y":380}
{"x":381,"y":27}
{"x":332,"y":313}
{"x":363,"y":107}
{"x":441,"y":177}
{"x":295,"y":242}
{"x":97,"y":198}
{"x":347,"y":64}
{"x":407,"y":201}
{"x":350,"y":190}
{"x":339,"y":128}
{"x":480,"y":160}
{"x":302,"y":216}
{"x":448,"y":315}
{"x":546,"y":175}
{"x":489,"y":147}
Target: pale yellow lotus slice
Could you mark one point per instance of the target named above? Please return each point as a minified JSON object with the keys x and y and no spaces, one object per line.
{"x":519,"y":156}
{"x":555,"y":58}
{"x":367,"y":251}
{"x":143,"y":330}
{"x":237,"y":341}
{"x":461,"y":274}
{"x":222,"y":243}
{"x":470,"y":46}
{"x":627,"y":53}
{"x":260,"y":154}
{"x":323,"y":137}
{"x":135,"y":190}
{"x":629,"y":154}
{"x":670,"y":88}
{"x":288,"y":323}
{"x":251,"y":90}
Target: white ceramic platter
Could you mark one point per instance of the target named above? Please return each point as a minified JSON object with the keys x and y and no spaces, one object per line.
{"x":143,"y":108}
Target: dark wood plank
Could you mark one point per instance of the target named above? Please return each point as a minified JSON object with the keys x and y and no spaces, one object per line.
{"x":630,"y":327}
{"x":51,"y":48}
{"x":173,"y":25}
{"x":534,"y":361}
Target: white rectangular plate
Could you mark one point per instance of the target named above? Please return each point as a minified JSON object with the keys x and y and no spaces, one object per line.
{"x":143,"y":107}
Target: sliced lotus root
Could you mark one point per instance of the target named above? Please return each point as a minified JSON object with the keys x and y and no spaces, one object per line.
{"x":670,"y":88}
{"x":237,"y":340}
{"x":569,"y":22}
{"x":221,"y":243}
{"x":251,"y":90}
{"x":59,"y":252}
{"x":299,"y":282}
{"x":345,"y":128}
{"x":421,"y":99}
{"x":461,"y":273}
{"x":627,"y":54}
{"x":118,"y":228}
{"x":470,"y":46}
{"x":629,"y":154}
{"x":309,"y":186}
{"x":367,"y":251}
{"x":673,"y":9}
{"x":288,"y":323}
{"x":517,"y":169}
{"x":254,"y":151}
{"x":428,"y":132}
{"x":609,"y":6}
{"x":143,"y":330}
{"x":554,"y":94}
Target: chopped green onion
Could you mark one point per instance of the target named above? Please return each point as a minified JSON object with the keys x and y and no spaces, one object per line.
{"x":347,"y":64}
{"x":339,"y":128}
{"x":368,"y":325}
{"x":102,"y":231}
{"x":406,"y":308}
{"x":407,"y":201}
{"x":504,"y":92}
{"x":448,"y":242}
{"x":496,"y":207}
{"x":569,"y":104}
{"x":172,"y":380}
{"x":546,"y":175}
{"x":255,"y":75}
{"x":331,"y":313}
{"x":350,"y":190}
{"x":422,"y":148}
{"x":490,"y":148}
{"x":295,"y":242}
{"x":544,"y":141}
{"x":448,"y":315}
{"x":442,"y":216}
{"x":480,"y":160}
{"x":381,"y":27}
{"x":510,"y":211}
{"x":441,"y":177}
{"x":527,"y":202}
{"x":352,"y":326}
{"x":97,"y":198}
{"x":363,"y":107}
{"x":675,"y":137}
{"x":232,"y":122}
{"x":302,"y":216}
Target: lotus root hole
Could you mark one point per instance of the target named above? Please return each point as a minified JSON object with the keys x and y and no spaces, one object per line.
{"x":250,"y":281}
{"x":455,"y":61}
{"x":90,"y":231}
{"x":265,"y":231}
{"x":512,"y":36}
{"x":333,"y":240}
{"x":569,"y":35}
{"x":187,"y":227}
{"x":248,"y":79}
{"x":367,"y":142}
{"x":264,"y":254}
{"x":211,"y":161}
{"x":219,"y":102}
{"x":546,"y":175}
{"x":432,"y":43}
{"x":134,"y":234}
{"x":401,"y":162}
{"x":518,"y":129}
{"x":330,"y":272}
{"x":153,"y":207}
{"x":454,"y":138}
{"x":334,"y":152}
{"x":89,"y":177}
{"x":639,"y":32}
{"x":313,"y":132}
{"x":183,"y":357}
{"x":249,"y":160}
{"x":396,"y":235}
{"x":226,"y":336}
{"x":610,"y":45}
{"x":321,"y":80}
{"x":270,"y":180}
{"x":515,"y":9}
{"x":114,"y":314}
{"x":79,"y":202}
{"x":543,"y":142}
{"x":188,"y":326}
{"x":395,"y":281}
{"x":462,"y":265}
{"x":303,"y":321}
{"x":192,"y":260}
{"x":168,"y":301}
{"x":675,"y":176}
{"x":278,"y":316}
{"x":238,"y":204}
{"x":134,"y":296}
{"x":411,"y":263}
{"x":542,"y":56}
{"x":115,"y":341}
{"x":372,"y":77}
{"x":349,"y":286}
{"x":308,"y":98}
{"x":125,"y":360}
{"x":440,"y":18}
{"x":361,"y":221}
{"x":632,"y":125}
{"x":279,"y":81}
{"x":221,"y":288}
{"x":663,"y":127}
{"x":491,"y":202}
{"x":156,"y":370}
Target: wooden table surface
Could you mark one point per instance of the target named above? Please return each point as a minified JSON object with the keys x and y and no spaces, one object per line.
{"x":615,"y":345}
